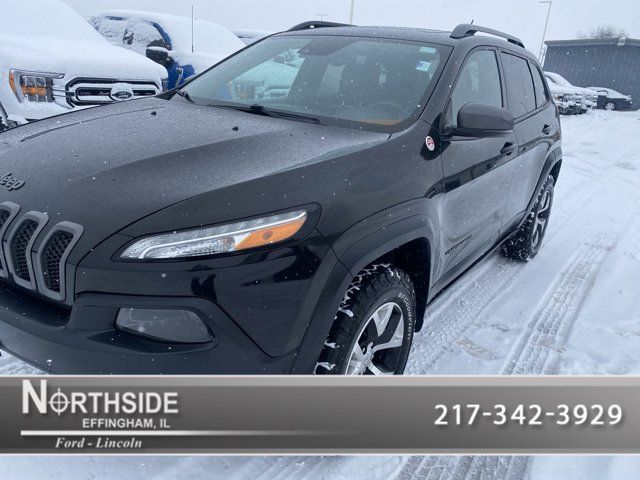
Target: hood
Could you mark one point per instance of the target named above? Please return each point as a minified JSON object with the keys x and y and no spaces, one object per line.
{"x":107,"y":167}
{"x":587,"y":92}
{"x":88,"y":60}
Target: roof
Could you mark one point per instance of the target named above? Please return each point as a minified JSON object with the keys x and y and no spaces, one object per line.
{"x":593,"y":42}
{"x":396,"y":33}
{"x":403,"y":33}
{"x":412,"y":34}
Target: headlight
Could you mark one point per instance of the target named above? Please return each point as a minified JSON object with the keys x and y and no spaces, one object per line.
{"x":233,"y":237}
{"x":33,"y":86}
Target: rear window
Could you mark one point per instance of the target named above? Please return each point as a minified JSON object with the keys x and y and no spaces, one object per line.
{"x":520,"y":91}
{"x":542,"y":96}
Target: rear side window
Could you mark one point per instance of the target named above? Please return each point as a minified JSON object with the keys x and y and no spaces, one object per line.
{"x":520,"y":91}
{"x":479,"y":82}
{"x":541,"y":91}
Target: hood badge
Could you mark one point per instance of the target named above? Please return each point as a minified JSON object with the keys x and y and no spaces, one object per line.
{"x":10,"y":182}
{"x":121,"y":92}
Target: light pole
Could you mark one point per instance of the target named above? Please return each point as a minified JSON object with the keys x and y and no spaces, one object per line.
{"x":353,"y":7}
{"x":546,"y":25}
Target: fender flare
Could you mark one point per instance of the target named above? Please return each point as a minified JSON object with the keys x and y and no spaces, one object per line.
{"x":553,"y":158}
{"x":359,"y":246}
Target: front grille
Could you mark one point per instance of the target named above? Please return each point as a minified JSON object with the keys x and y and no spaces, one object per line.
{"x":93,"y":91}
{"x":19,"y":249}
{"x":52,"y":254}
{"x":33,"y":262}
{"x":4,"y":216}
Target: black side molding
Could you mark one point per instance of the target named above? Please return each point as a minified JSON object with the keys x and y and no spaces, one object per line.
{"x":465,"y":30}
{"x":316,"y":24}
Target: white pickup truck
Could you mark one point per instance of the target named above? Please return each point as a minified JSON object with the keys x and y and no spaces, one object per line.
{"x":583,"y":99}
{"x":52,"y":61}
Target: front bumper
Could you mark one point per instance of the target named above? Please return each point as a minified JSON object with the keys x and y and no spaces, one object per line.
{"x":258,"y":307}
{"x":85,"y":341}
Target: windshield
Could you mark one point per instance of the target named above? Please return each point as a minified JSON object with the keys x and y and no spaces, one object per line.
{"x":133,"y":34}
{"x":369,"y":83}
{"x":559,"y":79}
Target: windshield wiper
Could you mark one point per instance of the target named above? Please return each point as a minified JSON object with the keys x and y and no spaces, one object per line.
{"x":267,"y":112}
{"x":185,"y":95}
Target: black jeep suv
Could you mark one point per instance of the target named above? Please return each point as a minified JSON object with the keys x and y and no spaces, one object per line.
{"x":291,"y":210}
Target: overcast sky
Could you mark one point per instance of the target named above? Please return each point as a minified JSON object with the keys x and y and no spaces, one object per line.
{"x":523,"y":18}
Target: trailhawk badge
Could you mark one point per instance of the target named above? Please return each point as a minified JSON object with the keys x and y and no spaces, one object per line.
{"x":121,"y":92}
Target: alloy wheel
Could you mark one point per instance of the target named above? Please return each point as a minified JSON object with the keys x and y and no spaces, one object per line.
{"x":376,"y":350}
{"x":541,"y":219}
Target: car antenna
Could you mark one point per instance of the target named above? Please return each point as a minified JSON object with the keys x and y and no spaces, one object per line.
{"x":473,"y":20}
{"x":192,"y":26}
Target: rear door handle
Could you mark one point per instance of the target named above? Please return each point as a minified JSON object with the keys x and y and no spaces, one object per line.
{"x":546,"y":129}
{"x":508,"y":148}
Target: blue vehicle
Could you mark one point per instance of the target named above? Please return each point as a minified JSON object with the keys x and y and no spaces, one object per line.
{"x":184,"y":47}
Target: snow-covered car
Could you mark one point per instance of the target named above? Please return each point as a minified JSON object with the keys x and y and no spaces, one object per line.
{"x":588,"y":98}
{"x":610,"y":99}
{"x":182,"y":45}
{"x":52,"y":61}
{"x":251,"y":36}
{"x":568,"y":102}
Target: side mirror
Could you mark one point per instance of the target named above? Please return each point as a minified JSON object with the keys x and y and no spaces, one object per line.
{"x":159,"y":55}
{"x":480,"y":120}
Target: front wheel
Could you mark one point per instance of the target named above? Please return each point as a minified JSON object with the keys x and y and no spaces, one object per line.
{"x":373,"y":329}
{"x":525,"y":243}
{"x":610,"y":106}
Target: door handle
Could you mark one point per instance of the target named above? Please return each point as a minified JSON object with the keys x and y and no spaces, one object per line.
{"x":508,"y":148}
{"x":546,"y":129}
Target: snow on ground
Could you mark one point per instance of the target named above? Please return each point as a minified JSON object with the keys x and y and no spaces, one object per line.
{"x":572,"y":310}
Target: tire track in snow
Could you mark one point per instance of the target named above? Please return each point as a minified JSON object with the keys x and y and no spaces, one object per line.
{"x":449,"y":318}
{"x":542,"y":338}
{"x":464,"y":468}
{"x":542,"y":341}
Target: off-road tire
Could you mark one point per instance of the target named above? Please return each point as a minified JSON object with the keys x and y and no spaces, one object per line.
{"x":526,"y":242}
{"x":374,"y":288}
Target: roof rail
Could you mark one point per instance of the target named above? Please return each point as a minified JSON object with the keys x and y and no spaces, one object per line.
{"x":468,"y":30}
{"x":316,"y":24}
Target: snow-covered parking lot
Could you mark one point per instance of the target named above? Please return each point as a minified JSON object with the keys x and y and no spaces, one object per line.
{"x":572,"y":310}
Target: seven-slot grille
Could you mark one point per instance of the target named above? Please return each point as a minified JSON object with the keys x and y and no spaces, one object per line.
{"x":53,"y":252}
{"x":19,"y":249}
{"x":44,"y":268}
{"x":4,"y":216}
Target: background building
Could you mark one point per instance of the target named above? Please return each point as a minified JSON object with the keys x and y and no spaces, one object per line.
{"x":609,"y":63}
